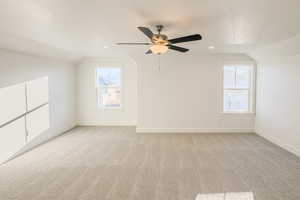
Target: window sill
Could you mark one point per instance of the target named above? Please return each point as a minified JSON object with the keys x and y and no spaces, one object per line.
{"x":232,"y":112}
{"x":108,"y":108}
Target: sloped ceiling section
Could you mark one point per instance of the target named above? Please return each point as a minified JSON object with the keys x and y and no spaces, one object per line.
{"x":75,"y":29}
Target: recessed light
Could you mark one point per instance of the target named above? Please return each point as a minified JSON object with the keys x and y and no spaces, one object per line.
{"x":105,"y":47}
{"x":211,"y":47}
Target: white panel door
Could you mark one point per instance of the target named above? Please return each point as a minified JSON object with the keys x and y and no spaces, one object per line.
{"x":37,"y":92}
{"x":12,"y":138}
{"x":37,"y":122}
{"x":12,"y":102}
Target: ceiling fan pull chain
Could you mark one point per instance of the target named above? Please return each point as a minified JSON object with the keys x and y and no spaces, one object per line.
{"x":159,"y":62}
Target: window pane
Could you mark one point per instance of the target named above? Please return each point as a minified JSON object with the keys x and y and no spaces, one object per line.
{"x":109,"y":80}
{"x":109,"y":76}
{"x":236,"y":100}
{"x":110,"y":97}
{"x":242,"y":77}
{"x":229,"y":77}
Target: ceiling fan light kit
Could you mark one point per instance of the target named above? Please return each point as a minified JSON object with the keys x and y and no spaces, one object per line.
{"x":160,"y":43}
{"x":159,"y":49}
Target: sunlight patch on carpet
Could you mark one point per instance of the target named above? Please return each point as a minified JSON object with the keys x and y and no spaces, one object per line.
{"x":226,"y":196}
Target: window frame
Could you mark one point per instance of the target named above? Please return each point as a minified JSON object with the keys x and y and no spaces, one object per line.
{"x":98,"y":88}
{"x":251,"y":90}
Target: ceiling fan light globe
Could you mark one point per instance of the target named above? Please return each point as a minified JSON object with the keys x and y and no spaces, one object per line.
{"x":159,"y":49}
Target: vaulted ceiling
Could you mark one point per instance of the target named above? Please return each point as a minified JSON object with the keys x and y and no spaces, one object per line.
{"x":72,"y":29}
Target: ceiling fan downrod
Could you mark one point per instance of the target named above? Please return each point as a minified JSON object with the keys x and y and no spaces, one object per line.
{"x":159,"y":28}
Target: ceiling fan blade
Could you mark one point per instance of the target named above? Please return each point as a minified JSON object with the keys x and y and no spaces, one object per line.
{"x":177,"y":48}
{"x":133,"y":43}
{"x":146,"y":31}
{"x":186,"y":39}
{"x":149,"y":51}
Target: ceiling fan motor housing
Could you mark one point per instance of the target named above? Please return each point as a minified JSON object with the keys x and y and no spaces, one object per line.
{"x":160,"y":39}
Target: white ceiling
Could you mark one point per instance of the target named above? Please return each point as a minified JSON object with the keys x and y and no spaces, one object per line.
{"x":72,"y":29}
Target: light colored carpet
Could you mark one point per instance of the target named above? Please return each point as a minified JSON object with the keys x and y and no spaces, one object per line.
{"x":116,"y":163}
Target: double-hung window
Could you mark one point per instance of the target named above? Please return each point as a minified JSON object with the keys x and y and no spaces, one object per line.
{"x":238,"y":88}
{"x":109,"y":86}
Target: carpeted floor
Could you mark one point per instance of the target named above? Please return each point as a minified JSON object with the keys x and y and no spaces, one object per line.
{"x":115,"y":163}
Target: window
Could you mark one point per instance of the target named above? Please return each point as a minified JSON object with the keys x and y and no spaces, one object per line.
{"x":108,"y":80}
{"x":237,"y":88}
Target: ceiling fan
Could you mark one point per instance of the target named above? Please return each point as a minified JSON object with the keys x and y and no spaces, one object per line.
{"x":160,"y":42}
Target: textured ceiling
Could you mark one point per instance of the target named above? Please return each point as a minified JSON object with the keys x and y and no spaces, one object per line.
{"x":71,"y":29}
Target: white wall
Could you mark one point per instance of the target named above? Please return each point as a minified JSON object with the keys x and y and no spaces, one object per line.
{"x":278,"y":93}
{"x":17,"y":68}
{"x":186,"y":95}
{"x":88,"y":111}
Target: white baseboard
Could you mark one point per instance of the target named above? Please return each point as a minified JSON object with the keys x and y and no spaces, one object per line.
{"x":104,"y":124}
{"x":283,"y":145}
{"x":194,"y":130}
